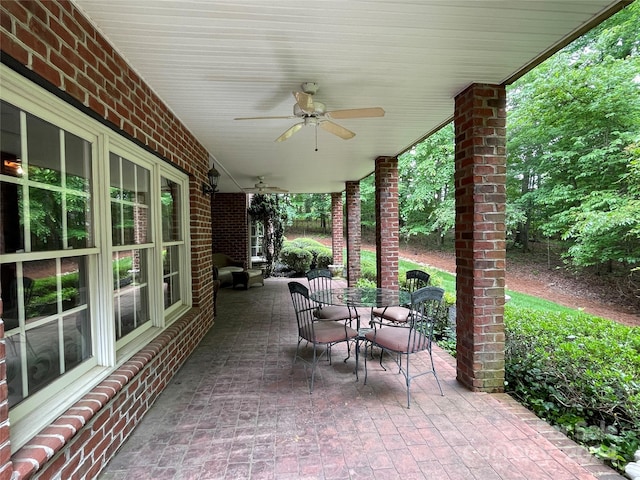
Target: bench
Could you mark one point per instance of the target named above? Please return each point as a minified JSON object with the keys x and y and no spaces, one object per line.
{"x":247,"y":278}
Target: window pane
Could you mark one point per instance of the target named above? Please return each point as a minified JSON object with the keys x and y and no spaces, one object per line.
{"x":11,"y":225}
{"x":77,"y":163}
{"x":171,"y":275}
{"x":131,"y":291}
{"x":130,"y":189}
{"x":11,"y":231}
{"x":127,"y":224}
{"x":43,"y":356}
{"x":170,"y":201}
{"x":78,"y":221}
{"x":14,"y":297}
{"x":10,"y":143}
{"x":45,"y":219}
{"x":44,"y":295}
{"x":77,"y":339}
{"x":14,"y":368}
{"x":43,"y":150}
{"x":114,"y":175}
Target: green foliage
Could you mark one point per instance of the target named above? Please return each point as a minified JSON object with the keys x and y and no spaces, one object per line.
{"x":573,"y":131}
{"x":324,"y":258}
{"x":321,"y":256}
{"x":574,"y":370}
{"x":272,"y":213}
{"x":44,"y":293}
{"x":426,"y":190}
{"x":579,"y":372}
{"x":313,"y":206}
{"x":297,"y":259}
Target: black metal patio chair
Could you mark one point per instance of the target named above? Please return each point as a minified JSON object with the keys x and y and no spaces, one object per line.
{"x":403,"y":340}
{"x":416,"y":279}
{"x":319,"y":333}
{"x":320,"y":279}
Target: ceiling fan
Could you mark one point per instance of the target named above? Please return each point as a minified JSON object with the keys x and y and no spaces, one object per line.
{"x":262,"y":187}
{"x":314,"y":113}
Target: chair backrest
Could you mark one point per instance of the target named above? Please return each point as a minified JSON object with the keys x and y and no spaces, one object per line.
{"x":417,"y":279}
{"x":303,"y":307}
{"x":426,"y":305}
{"x":319,"y":279}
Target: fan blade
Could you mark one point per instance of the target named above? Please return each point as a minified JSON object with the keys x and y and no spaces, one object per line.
{"x":290,"y":132}
{"x":304,"y":101}
{"x":356,"y":113}
{"x":336,"y":129}
{"x":265,"y":118}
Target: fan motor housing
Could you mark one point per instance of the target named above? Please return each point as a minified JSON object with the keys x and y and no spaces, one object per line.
{"x":319,"y":108}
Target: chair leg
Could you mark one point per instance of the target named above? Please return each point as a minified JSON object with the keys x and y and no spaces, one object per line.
{"x":297,"y":350}
{"x":433,"y":369}
{"x":366,"y":346}
{"x":313,"y":369}
{"x":406,"y":372}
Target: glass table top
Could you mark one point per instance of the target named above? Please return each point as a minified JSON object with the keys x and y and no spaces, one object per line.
{"x":362,"y":297}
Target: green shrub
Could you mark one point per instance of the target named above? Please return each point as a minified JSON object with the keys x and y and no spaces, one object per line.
{"x":296,"y":258}
{"x":324,"y":258}
{"x":579,"y":372}
{"x":321,"y":256}
{"x":444,"y":330}
{"x":305,"y":243}
{"x":368,"y":270}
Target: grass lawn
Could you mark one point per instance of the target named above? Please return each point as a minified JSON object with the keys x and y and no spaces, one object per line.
{"x":448,"y":282}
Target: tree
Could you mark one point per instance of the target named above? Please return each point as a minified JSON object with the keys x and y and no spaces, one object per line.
{"x":313,"y":207}
{"x":426,"y":186}
{"x":572,"y":122}
{"x":268,"y":210}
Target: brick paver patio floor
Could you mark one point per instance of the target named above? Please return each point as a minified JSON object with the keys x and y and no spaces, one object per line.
{"x":237,"y":410}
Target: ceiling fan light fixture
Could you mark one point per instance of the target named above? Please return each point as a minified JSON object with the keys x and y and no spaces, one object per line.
{"x":311,"y":112}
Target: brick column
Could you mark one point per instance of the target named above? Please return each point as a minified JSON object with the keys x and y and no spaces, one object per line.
{"x":354,"y":232}
{"x":386,"y":171}
{"x":230,"y":225}
{"x":480,"y":177}
{"x":337,"y":228}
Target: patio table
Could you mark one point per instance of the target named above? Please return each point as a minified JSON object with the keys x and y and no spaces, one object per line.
{"x":367,"y":297}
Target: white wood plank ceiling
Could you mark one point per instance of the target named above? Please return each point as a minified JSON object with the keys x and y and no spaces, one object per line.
{"x":213,"y":61}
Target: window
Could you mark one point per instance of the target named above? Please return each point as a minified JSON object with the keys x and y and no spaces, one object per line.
{"x":94,"y":251}
{"x":172,"y":241}
{"x":45,"y":229}
{"x":130,"y":193}
{"x":257,"y":238}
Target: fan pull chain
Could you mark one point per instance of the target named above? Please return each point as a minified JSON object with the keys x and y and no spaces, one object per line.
{"x":316,"y":136}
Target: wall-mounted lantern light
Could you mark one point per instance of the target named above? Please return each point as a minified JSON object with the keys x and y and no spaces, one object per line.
{"x":212,"y":187}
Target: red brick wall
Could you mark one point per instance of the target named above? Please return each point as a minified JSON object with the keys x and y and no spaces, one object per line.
{"x":337,"y":227}
{"x":81,"y":441}
{"x":354,"y":232}
{"x":387,"y":243}
{"x":480,"y":176}
{"x":50,"y":41}
{"x":230,"y":225}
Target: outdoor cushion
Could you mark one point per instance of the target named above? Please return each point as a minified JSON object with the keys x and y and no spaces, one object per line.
{"x":335,"y":312}
{"x":393,"y":314}
{"x":393,"y":338}
{"x":328,"y":332}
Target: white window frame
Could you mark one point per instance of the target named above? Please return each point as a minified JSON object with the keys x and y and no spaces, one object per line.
{"x":27,"y":417}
